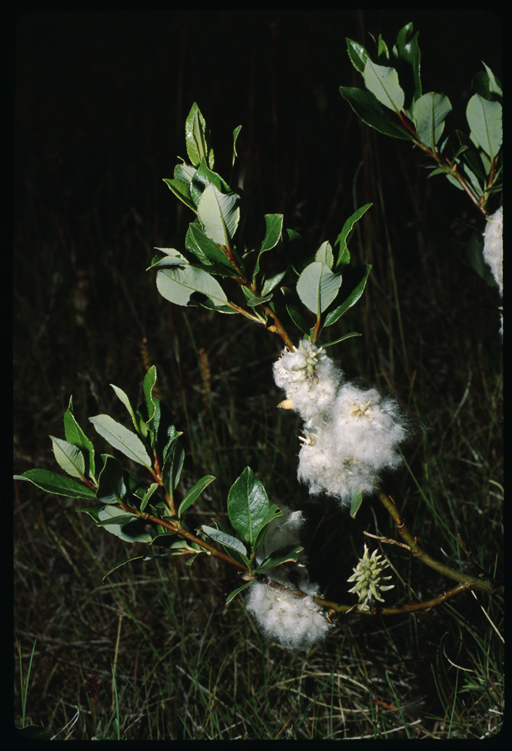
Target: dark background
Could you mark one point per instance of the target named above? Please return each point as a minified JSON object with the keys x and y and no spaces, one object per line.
{"x":102,"y":97}
{"x":101,"y":100}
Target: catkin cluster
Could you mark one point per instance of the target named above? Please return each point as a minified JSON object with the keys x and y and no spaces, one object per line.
{"x":351,"y":435}
{"x":295,"y":622}
{"x":493,"y":250}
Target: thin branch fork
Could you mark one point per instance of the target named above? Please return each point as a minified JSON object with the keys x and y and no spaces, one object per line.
{"x":482,"y":583}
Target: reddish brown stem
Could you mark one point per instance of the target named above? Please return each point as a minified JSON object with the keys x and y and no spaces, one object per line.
{"x":179,"y":530}
{"x":397,"y":609}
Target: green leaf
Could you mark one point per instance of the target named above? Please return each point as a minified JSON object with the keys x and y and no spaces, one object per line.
{"x":382,"y":48}
{"x":343,"y":255}
{"x":494,"y":84}
{"x":121,"y":438}
{"x":56,"y":484}
{"x":147,"y":387}
{"x":247,"y":505}
{"x":210,"y":305}
{"x":449,"y":176}
{"x":219,"y":214}
{"x":299,"y":254}
{"x":116,"y":521}
{"x":148,"y":495}
{"x":173,"y":464}
{"x":273,"y":229}
{"x":272,"y":277}
{"x":125,"y":563}
{"x":234,"y":593}
{"x":368,"y":108}
{"x":236,"y":133}
{"x":69,"y":457}
{"x":485,"y":121}
{"x":139,"y":425}
{"x":357,"y":54}
{"x":163,"y":426}
{"x":273,"y":513}
{"x":478,"y":186}
{"x":341,"y":339}
{"x":194,"y":493}
{"x":355,"y":504}
{"x":184,"y":173}
{"x":430,"y":112}
{"x":254,"y":300}
{"x":277,"y":557}
{"x":487,"y":85}
{"x":317,"y":287}
{"x":291,"y":301}
{"x":197,"y":137}
{"x":178,"y":284}
{"x":227,"y":541}
{"x":354,"y":282}
{"x":173,"y":259}
{"x":202,"y":178}
{"x":324,"y":254}
{"x":75,"y":435}
{"x":409,"y":51}
{"x":473,"y":156}
{"x":176,"y":545}
{"x":182,"y":191}
{"x":196,"y":239}
{"x":111,"y":482}
{"x":383,"y":84}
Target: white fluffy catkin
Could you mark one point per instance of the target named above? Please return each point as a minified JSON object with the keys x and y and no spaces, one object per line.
{"x":351,"y":435}
{"x":346,"y":449}
{"x":309,"y":378}
{"x":296,"y":623}
{"x":493,"y":246}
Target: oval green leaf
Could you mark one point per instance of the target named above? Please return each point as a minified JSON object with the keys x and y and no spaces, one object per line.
{"x":317,"y":287}
{"x":382,"y":82}
{"x":357,"y":54}
{"x":56,"y":484}
{"x":234,"y":593}
{"x":430,"y":112}
{"x":197,"y":137}
{"x":355,"y":282}
{"x":228,"y":541}
{"x":182,"y":191}
{"x":111,"y":484}
{"x":147,"y":387}
{"x":121,"y":438}
{"x":178,"y":284}
{"x":324,"y":254}
{"x":247,"y":505}
{"x":277,"y":557}
{"x":116,"y":521}
{"x":341,"y":244}
{"x":69,"y":458}
{"x":219,"y":214}
{"x":273,"y":229}
{"x":485,"y":121}
{"x":194,"y":493}
{"x":368,"y":108}
{"x":75,"y":435}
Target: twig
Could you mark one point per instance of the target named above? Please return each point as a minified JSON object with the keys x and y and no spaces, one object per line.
{"x":471,"y":582}
{"x":386,"y":540}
